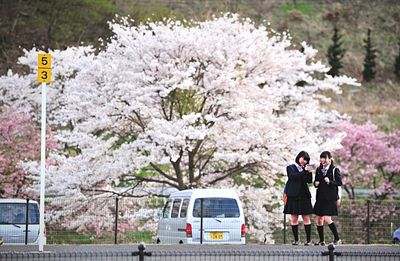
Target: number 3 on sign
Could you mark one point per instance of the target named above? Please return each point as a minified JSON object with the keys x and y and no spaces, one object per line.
{"x":44,"y":75}
{"x":44,"y":68}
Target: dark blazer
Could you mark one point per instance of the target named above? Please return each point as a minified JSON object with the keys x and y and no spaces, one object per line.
{"x":328,"y":191}
{"x":297,"y":181}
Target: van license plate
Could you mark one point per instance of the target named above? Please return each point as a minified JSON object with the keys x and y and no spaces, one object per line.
{"x":216,"y":235}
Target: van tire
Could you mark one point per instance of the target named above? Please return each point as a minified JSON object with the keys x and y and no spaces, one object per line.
{"x":180,"y":242}
{"x":158,"y":241}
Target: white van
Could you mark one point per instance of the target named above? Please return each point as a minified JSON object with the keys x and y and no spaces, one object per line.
{"x":222,"y":222}
{"x":13,"y":221}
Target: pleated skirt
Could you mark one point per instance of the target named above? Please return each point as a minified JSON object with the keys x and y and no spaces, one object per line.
{"x":325,"y":208}
{"x":298,"y":206}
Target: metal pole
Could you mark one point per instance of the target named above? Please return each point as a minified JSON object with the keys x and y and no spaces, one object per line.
{"x":368,"y":224}
{"x":141,"y":253}
{"x":141,"y":248}
{"x":116,"y":222}
{"x":331,"y":253}
{"x":42,"y":168}
{"x":284,"y":228}
{"x":26,"y":221}
{"x":201,"y":220}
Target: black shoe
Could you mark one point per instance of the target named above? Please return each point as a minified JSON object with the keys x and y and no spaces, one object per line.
{"x":308,"y":243}
{"x":337,"y":242}
{"x":321,"y":243}
{"x":295,"y":243}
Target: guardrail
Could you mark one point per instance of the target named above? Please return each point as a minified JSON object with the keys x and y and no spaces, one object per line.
{"x":201,"y":253}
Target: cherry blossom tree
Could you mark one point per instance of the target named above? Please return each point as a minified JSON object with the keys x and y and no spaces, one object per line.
{"x":216,"y":103}
{"x":19,"y":142}
{"x":369,"y":158}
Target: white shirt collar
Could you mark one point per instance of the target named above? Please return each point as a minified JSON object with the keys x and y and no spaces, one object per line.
{"x":300,"y":168}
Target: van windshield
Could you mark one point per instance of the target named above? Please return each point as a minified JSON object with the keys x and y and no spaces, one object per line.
{"x":216,"y":208}
{"x":14,"y":213}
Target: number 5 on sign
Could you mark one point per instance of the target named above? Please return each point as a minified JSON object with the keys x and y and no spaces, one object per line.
{"x":44,"y":68}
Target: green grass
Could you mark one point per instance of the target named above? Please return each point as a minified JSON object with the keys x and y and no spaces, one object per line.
{"x":138,"y":236}
{"x":307,"y":9}
{"x":72,"y":237}
{"x":69,"y":237}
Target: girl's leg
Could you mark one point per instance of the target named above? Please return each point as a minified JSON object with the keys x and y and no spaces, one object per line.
{"x":294,"y":221}
{"x":307,"y":227}
{"x":333,"y":228}
{"x":320,"y":228}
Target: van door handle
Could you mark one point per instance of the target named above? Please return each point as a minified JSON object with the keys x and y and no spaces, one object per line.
{"x":28,"y":230}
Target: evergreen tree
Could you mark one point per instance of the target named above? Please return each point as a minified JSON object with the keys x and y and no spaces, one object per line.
{"x":397,"y":64}
{"x":335,"y":53}
{"x":369,"y":61}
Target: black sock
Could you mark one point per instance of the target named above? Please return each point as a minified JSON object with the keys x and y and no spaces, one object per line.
{"x":334,"y":231}
{"x":295,"y":230}
{"x":321,"y":233}
{"x":307,"y":228}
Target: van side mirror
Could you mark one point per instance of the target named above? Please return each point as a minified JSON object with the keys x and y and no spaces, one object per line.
{"x":159,"y":213}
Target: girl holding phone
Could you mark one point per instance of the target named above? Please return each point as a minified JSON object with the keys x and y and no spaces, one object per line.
{"x":299,"y":196}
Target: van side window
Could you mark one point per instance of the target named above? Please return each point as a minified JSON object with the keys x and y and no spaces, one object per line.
{"x":184,"y":207}
{"x":175,"y":208}
{"x":166,"y":210}
{"x":15,"y":213}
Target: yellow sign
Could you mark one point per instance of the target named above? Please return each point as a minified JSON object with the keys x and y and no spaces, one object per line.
{"x":44,"y":75}
{"x":44,"y":67}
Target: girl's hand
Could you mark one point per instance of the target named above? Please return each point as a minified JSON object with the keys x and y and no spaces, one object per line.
{"x":309,"y":168}
{"x":326,"y":180}
{"x":316,"y":183}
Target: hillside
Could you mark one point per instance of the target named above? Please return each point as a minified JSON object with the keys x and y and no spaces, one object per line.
{"x":313,"y":22}
{"x":56,"y":25}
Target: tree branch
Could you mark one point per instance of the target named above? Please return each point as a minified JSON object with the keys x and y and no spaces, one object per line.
{"x":205,"y":163}
{"x":160,"y":171}
{"x":192,"y":162}
{"x":232,"y":171}
{"x":158,"y":181}
{"x":178,"y":171}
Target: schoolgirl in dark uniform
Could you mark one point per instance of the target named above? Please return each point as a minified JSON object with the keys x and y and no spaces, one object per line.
{"x":299,"y":196}
{"x":327,"y":180}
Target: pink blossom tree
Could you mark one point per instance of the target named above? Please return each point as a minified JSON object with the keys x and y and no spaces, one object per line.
{"x":369,"y":158}
{"x":19,"y":142}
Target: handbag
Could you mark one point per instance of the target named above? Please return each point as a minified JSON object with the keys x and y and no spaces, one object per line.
{"x":284,"y":196}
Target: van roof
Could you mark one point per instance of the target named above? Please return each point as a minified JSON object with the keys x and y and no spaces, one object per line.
{"x":206,"y":193}
{"x":16,"y":200}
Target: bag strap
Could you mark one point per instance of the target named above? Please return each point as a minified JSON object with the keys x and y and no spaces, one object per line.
{"x":339,"y":188}
{"x":334,"y":173}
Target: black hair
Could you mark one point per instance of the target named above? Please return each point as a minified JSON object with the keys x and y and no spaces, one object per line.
{"x":325,"y":154}
{"x":304,"y":155}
